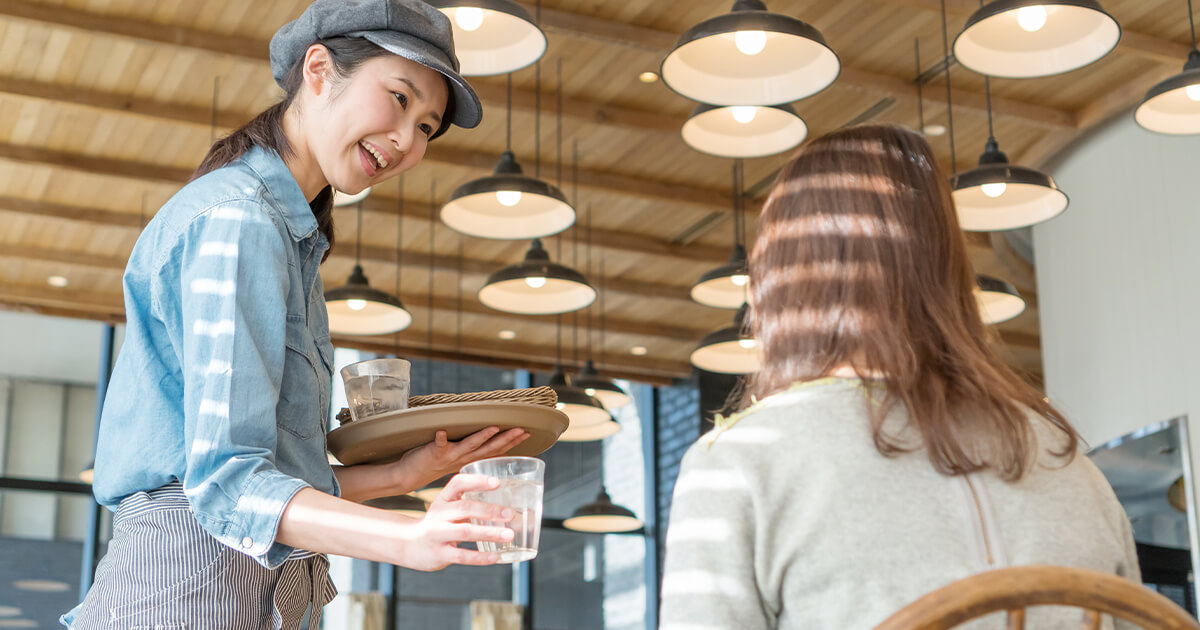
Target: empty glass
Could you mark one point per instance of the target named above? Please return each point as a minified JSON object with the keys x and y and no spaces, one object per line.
{"x":521,"y":485}
{"x":376,"y":387}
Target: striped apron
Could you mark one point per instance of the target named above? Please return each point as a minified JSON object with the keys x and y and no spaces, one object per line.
{"x":164,"y":572}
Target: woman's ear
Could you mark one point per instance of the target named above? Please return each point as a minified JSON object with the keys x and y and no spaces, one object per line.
{"x":317,"y":68}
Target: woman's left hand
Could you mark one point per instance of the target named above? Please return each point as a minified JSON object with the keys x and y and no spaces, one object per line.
{"x":442,"y":457}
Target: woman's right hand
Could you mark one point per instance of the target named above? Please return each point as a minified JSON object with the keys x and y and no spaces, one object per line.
{"x":433,"y":543}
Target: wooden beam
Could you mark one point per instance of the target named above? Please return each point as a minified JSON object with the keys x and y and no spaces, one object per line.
{"x":416,"y":259}
{"x":74,"y":303}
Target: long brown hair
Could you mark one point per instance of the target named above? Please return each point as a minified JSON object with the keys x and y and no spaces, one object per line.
{"x":859,"y":261}
{"x":266,"y":129}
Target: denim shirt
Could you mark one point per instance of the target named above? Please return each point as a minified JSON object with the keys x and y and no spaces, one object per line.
{"x":224,"y":377}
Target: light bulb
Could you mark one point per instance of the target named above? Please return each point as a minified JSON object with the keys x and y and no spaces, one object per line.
{"x":591,"y":391}
{"x":1031,"y":19}
{"x":744,"y":113}
{"x":536,"y":282}
{"x":740,"y":279}
{"x":560,"y":406}
{"x":508,"y":198}
{"x":356,"y":305}
{"x":750,"y":42}
{"x":469,"y":18}
{"x":1193,"y":91}
{"x":994,"y":190}
{"x":747,"y":343}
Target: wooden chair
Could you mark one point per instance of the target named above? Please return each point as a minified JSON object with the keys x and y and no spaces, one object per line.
{"x":1016,"y":588}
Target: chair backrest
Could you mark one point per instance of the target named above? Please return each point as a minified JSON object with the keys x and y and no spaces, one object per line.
{"x":1016,"y":588}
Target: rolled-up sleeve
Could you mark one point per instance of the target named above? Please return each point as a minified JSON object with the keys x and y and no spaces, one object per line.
{"x":232,"y":285}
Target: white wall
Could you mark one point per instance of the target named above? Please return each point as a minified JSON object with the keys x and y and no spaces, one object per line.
{"x":1119,"y":283}
{"x":51,"y":348}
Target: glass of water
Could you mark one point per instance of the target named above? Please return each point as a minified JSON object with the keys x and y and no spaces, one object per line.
{"x":376,"y":387}
{"x":521,"y":484}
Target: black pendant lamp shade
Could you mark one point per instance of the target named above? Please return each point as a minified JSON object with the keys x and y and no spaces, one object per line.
{"x":356,"y":308}
{"x":997,"y":195}
{"x":603,"y":389}
{"x":998,"y":300}
{"x":581,"y":409}
{"x":508,"y":205}
{"x":744,"y":131}
{"x":1020,"y":39}
{"x":405,"y":504}
{"x":725,"y":286}
{"x":750,"y":57}
{"x":729,"y":350}
{"x":537,"y":286}
{"x":602,"y":516}
{"x":1173,"y":106}
{"x":492,"y":36}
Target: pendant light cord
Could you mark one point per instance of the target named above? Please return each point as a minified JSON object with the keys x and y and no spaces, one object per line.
{"x":212,"y":133}
{"x":429,"y":315}
{"x":558,"y":123}
{"x":358,"y":238}
{"x":739,"y":225}
{"x":920,"y":84}
{"x":537,"y":119}
{"x":987,"y":91}
{"x":508,"y":117}
{"x":399,"y":251}
{"x":588,"y":223}
{"x":458,"y":326}
{"x":949,"y":108}
{"x":1192,"y":24}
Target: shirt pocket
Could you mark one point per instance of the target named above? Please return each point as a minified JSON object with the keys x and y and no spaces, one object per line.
{"x":300,"y":392}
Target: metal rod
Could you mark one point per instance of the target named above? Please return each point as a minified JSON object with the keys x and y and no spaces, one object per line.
{"x":1192,"y":24}
{"x":949,"y":108}
{"x":987,"y":90}
{"x":508,"y":117}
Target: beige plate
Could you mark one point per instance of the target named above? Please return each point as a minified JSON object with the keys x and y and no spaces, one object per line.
{"x":387,"y":437}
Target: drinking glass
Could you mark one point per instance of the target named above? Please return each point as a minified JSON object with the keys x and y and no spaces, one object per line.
{"x":521,"y":486}
{"x":376,"y":387}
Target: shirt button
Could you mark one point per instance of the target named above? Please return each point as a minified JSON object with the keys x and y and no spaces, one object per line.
{"x":247,"y":542}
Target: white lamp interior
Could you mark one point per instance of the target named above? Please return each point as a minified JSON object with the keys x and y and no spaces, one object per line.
{"x":1071,"y":37}
{"x":501,"y":43}
{"x":591,"y":432}
{"x":1020,"y":205}
{"x":482,"y":215}
{"x":720,"y":293}
{"x":373,"y":319}
{"x":730,"y":357}
{"x":602,"y":523}
{"x":996,"y":307}
{"x":713,"y":70}
{"x":770,"y":131}
{"x":556,"y":296}
{"x":1172,"y":112}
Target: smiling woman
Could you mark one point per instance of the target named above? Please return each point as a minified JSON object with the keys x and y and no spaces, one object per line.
{"x":224,"y":497}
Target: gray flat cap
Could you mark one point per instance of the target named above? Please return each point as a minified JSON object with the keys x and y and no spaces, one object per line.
{"x":409,"y":28}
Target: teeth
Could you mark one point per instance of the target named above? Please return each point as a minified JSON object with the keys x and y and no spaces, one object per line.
{"x":378,"y":158}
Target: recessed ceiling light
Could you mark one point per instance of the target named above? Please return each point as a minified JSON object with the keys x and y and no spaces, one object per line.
{"x":42,"y":586}
{"x":57,"y":281}
{"x":647,"y":77}
{"x":18,"y":623}
{"x":10,"y":611}
{"x":934,"y":129}
{"x":638,"y":351}
{"x":507,"y":335}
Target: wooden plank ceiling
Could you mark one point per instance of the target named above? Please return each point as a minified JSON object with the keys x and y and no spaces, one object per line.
{"x":106,"y":106}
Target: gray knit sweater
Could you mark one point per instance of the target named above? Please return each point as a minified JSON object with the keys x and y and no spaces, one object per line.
{"x":791,"y":518}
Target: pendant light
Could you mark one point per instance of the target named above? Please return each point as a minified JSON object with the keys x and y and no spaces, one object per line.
{"x":1021,"y":39}
{"x":537,"y":286}
{"x":1173,"y":106}
{"x":998,"y":300}
{"x":405,"y":504}
{"x":357,"y":309}
{"x":998,"y":195}
{"x":492,"y":36}
{"x":727,"y":285}
{"x":730,"y":350}
{"x":744,"y":131}
{"x":582,"y":410}
{"x":509,"y":204}
{"x":750,"y":57}
{"x":602,"y":516}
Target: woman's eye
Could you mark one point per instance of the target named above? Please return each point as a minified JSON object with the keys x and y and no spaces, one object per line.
{"x":427,"y":129}
{"x":402,"y":98}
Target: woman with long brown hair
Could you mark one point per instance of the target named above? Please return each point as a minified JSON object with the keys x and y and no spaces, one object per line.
{"x":884,"y":449}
